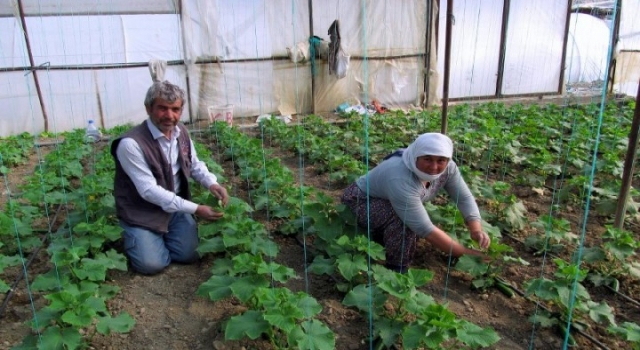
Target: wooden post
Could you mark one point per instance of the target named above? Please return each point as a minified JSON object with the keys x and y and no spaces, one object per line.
{"x":627,"y":174}
{"x":25,"y":32}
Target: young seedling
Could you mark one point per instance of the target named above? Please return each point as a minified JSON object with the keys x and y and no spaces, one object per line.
{"x":486,"y":273}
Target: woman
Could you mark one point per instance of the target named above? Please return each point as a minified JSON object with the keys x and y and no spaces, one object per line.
{"x":398,"y":188}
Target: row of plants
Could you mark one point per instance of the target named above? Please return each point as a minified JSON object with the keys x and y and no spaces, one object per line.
{"x":344,"y":255}
{"x":245,"y":267}
{"x":74,"y":181}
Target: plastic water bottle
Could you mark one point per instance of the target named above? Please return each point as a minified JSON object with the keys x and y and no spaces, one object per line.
{"x":92,"y":134}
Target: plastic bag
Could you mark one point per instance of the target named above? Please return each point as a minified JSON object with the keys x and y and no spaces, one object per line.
{"x":342,"y":64}
{"x":300,"y":53}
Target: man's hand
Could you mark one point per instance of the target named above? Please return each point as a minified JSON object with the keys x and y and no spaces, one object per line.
{"x":220,"y":193}
{"x":207,"y":213}
{"x":482,"y":238}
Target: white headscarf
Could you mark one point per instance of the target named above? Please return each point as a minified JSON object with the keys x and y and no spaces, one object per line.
{"x":432,"y":143}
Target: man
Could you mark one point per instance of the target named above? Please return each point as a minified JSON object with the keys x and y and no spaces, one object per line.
{"x":154,"y":161}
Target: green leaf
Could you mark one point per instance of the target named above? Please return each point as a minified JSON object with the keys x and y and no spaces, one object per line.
{"x":91,"y":270}
{"x":601,"y":312}
{"x":634,"y":269}
{"x":321,"y":265}
{"x":4,"y":287}
{"x":395,"y":284}
{"x":250,"y":324}
{"x":29,"y":342}
{"x":543,"y":288}
{"x":312,"y":334}
{"x":110,"y":232}
{"x":43,"y":318}
{"x":6,"y":261}
{"x":56,"y":338}
{"x":237,"y":240}
{"x":351,"y":266}
{"x":366,"y":299}
{"x":419,"y":277}
{"x":413,"y":335}
{"x":244,"y":288}
{"x":211,"y":245}
{"x":285,"y":317}
{"x":516,"y":215}
{"x":308,"y":304}
{"x":389,"y":330}
{"x":80,"y":316}
{"x":267,"y":247}
{"x":279,"y":273}
{"x":592,"y":255}
{"x":482,"y":283}
{"x":472,"y":265}
{"x":543,"y":320}
{"x":112,"y":260}
{"x":123,"y":323}
{"x":107,"y":291}
{"x":62,"y":300}
{"x":217,"y":287}
{"x":419,"y":302}
{"x":97,"y":304}
{"x":628,"y":330}
{"x":475,"y":336}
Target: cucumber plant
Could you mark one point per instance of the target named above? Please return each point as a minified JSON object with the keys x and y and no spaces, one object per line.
{"x":569,"y":301}
{"x":485,"y":273}
{"x":403,"y":314}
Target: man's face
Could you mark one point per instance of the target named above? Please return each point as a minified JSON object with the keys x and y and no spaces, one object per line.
{"x":165,"y":115}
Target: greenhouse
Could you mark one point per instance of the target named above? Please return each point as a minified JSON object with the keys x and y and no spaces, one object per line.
{"x":296,"y":110}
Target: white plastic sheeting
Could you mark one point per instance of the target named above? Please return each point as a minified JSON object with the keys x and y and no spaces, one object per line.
{"x":97,"y":51}
{"x":475,"y":47}
{"x":587,"y":49}
{"x":533,"y":49}
{"x":628,"y":60}
{"x":535,"y":41}
{"x":83,"y":7}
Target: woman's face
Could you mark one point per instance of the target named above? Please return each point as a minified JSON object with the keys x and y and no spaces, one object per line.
{"x":432,"y":165}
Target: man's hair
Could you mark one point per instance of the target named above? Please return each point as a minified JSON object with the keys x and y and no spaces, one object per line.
{"x":164,"y":90}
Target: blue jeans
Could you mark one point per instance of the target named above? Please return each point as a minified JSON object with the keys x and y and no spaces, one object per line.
{"x":150,"y":252}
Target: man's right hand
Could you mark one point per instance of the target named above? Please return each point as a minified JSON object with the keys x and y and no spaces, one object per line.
{"x":207,"y":213}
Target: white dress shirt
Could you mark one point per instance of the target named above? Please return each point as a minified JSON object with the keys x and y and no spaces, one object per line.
{"x":133,"y":163}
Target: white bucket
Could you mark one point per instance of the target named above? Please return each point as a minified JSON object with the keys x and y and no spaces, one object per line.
{"x":221,"y":113}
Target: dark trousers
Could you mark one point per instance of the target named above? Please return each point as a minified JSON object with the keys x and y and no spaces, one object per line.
{"x":385,"y":226}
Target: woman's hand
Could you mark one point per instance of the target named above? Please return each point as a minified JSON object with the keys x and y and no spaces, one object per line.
{"x":482,"y":238}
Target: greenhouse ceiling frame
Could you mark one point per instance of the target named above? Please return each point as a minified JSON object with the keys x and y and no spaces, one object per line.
{"x":431,"y":29}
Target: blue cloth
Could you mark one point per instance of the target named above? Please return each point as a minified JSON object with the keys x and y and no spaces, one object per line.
{"x":397,"y":153}
{"x":314,"y":41}
{"x":150,"y":252}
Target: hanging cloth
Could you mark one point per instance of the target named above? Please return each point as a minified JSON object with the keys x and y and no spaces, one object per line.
{"x":334,"y":46}
{"x":157,"y":69}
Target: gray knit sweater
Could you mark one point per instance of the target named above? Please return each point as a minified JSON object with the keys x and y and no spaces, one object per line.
{"x":392,"y":180}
